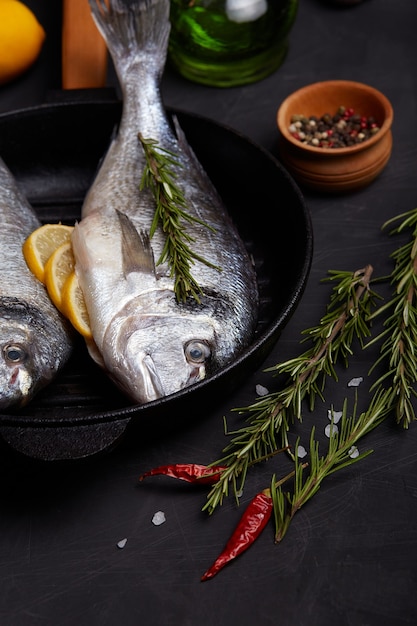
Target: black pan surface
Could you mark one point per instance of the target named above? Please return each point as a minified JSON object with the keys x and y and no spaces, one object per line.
{"x":54,"y":151}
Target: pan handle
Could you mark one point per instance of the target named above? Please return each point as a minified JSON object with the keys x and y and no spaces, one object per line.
{"x":65,"y":443}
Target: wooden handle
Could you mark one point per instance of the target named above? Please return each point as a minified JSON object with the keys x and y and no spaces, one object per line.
{"x":84,"y":52}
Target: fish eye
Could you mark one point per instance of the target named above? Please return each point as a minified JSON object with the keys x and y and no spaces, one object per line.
{"x":197,"y":351}
{"x":14,"y":353}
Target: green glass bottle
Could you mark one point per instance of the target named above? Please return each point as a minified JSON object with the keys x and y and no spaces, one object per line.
{"x":229,"y":42}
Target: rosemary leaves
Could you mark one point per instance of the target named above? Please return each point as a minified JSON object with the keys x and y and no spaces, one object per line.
{"x":269,"y":418}
{"x":170,"y":214}
{"x":338,"y":456}
{"x":399,"y":349}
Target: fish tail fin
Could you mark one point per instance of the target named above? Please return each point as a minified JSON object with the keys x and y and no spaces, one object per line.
{"x":135,"y":31}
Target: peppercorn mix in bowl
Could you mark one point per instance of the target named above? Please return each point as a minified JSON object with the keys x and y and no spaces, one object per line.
{"x":335,"y":136}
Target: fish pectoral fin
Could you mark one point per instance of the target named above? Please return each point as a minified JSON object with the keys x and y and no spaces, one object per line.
{"x":137,"y":253}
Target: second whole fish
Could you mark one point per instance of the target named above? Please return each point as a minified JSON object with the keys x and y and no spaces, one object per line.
{"x":150,"y":344}
{"x":35,"y":341}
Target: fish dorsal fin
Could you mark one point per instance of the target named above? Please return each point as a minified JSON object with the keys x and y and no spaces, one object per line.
{"x":137,"y":252}
{"x":203,"y":179}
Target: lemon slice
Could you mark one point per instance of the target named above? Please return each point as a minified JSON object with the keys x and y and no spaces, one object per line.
{"x":40,"y":245}
{"x":73,"y":306}
{"x":58,"y":267}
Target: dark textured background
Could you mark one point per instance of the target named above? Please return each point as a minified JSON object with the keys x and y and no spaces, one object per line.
{"x":350,"y":555}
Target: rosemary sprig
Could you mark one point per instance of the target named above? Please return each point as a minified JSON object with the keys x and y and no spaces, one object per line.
{"x":269,"y":418}
{"x":346,"y":318}
{"x":399,"y":348}
{"x":171,"y":209}
{"x":340,"y":454}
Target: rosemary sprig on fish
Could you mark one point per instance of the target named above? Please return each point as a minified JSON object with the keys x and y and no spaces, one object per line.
{"x":170,"y":211}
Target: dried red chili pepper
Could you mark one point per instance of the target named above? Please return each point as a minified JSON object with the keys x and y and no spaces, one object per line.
{"x":190,"y":472}
{"x":250,"y":526}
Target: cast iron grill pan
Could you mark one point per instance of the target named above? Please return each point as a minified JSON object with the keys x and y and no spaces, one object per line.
{"x":54,"y":151}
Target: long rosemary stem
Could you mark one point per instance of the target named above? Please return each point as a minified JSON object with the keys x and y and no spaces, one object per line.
{"x":399,"y":349}
{"x":269,"y":418}
{"x":341,"y":453}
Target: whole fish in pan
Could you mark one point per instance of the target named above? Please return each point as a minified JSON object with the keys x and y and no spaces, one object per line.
{"x":35,"y":341}
{"x":150,"y":343}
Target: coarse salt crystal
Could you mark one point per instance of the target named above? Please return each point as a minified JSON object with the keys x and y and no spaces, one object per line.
{"x":121,"y":544}
{"x":355,"y":382}
{"x":353,"y":452}
{"x":331,"y":430}
{"x":159,"y":518}
{"x":261,"y":390}
{"x":301,"y":452}
{"x":334,"y":415}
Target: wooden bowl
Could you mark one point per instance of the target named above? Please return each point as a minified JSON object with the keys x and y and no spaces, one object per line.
{"x":335,"y":169}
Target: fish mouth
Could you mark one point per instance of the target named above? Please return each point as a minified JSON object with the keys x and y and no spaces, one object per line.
{"x":148,"y":385}
{"x":145,"y":386}
{"x":19,"y":389}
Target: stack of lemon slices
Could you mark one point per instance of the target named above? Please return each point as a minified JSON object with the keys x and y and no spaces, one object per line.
{"x":49,"y":256}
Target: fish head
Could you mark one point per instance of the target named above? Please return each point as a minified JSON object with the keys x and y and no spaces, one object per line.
{"x":160,"y":355}
{"x":29,"y":356}
{"x":18,"y":372}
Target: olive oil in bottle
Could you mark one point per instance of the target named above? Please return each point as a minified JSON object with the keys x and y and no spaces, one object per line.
{"x":225,"y":43}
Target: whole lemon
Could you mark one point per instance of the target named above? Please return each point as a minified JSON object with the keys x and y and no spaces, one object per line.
{"x":21,"y":39}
